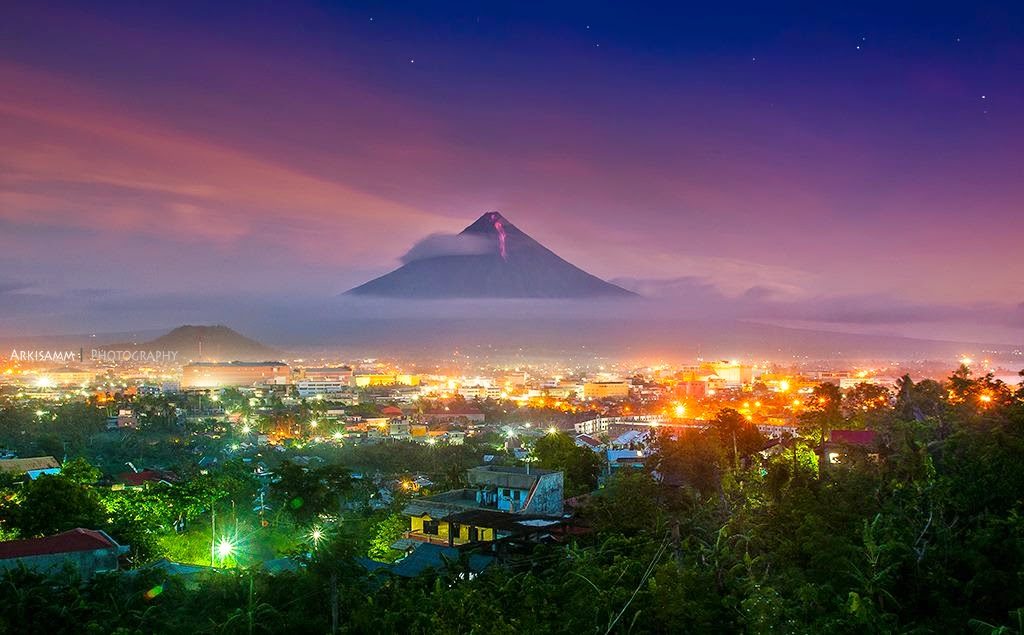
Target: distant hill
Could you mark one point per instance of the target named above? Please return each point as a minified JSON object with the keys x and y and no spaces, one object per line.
{"x":491,"y":258}
{"x":204,"y":343}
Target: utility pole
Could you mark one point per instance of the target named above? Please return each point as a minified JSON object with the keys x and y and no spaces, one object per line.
{"x":250,"y":602}
{"x":334,"y":602}
{"x":213,"y":534}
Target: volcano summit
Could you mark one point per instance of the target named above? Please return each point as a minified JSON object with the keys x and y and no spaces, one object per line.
{"x":492,"y":258}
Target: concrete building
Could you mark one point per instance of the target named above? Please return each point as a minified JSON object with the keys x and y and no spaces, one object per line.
{"x":363,"y":380}
{"x":454,"y":414}
{"x":342,"y":374}
{"x":605,"y":390}
{"x":125,"y":418}
{"x":499,"y":501}
{"x":480,"y":392}
{"x":314,"y":387}
{"x":199,"y":375}
{"x":87,"y":550}
{"x":730,"y":374}
{"x":67,"y":376}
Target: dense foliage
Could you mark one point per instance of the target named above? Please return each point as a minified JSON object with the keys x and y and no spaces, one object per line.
{"x":924,"y":535}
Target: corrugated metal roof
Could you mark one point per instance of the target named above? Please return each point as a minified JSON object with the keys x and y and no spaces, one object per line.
{"x":17,"y":466}
{"x":67,"y":542}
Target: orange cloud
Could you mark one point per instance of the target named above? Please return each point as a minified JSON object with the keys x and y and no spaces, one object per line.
{"x":70,"y":159}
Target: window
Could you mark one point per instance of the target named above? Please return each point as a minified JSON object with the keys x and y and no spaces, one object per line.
{"x":430,"y":527}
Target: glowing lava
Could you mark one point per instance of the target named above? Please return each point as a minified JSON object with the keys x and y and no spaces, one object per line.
{"x":498,"y":227}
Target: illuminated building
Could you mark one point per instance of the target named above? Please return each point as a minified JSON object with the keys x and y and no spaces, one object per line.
{"x":341,"y":374}
{"x":312,"y":388}
{"x":732,"y":374}
{"x":224,"y":374}
{"x":605,"y":390}
{"x":67,"y":376}
{"x":458,"y":414}
{"x":498,"y":501}
{"x":480,"y":392}
{"x":691,"y":389}
{"x":363,"y":380}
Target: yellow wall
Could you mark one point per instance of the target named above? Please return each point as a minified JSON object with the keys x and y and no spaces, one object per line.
{"x":605,"y":390}
{"x":483,"y":533}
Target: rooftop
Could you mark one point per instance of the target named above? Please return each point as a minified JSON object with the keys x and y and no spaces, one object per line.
{"x":854,"y":437}
{"x":504,"y":476}
{"x":67,"y":542}
{"x":233,"y":364}
{"x":17,"y":466}
{"x":425,"y":557}
{"x":146,"y":476}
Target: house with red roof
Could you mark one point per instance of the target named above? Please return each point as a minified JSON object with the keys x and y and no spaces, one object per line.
{"x":146,"y":477}
{"x":391,"y":411}
{"x":843,"y":445}
{"x":462,"y":413}
{"x":88,"y":551}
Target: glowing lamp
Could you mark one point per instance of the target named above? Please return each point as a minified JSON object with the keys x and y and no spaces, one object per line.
{"x":225,"y":548}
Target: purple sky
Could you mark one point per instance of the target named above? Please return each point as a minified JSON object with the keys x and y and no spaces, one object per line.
{"x":191,"y":152}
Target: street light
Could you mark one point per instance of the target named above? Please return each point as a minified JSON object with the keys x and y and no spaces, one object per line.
{"x":225,"y":548}
{"x":316,"y":535}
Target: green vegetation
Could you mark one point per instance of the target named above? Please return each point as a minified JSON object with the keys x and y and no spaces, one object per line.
{"x":924,"y":534}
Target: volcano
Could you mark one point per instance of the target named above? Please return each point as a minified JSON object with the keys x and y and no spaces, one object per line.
{"x":492,"y":258}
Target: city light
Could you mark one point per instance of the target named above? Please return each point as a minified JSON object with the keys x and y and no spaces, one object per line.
{"x":552,"y":430}
{"x":679,"y":410}
{"x":246,"y":429}
{"x":316,"y":536}
{"x":225,"y":548}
